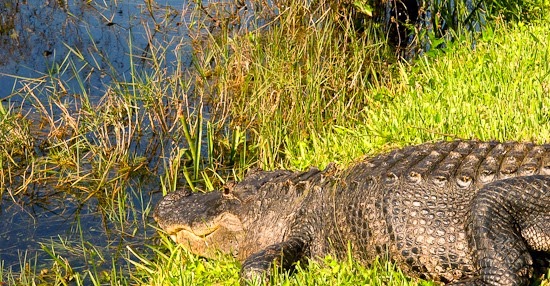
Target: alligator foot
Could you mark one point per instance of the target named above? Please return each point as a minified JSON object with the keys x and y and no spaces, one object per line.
{"x":257,"y":267}
{"x":508,"y":218}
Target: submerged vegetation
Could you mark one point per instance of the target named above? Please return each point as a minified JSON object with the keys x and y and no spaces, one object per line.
{"x":289,"y":86}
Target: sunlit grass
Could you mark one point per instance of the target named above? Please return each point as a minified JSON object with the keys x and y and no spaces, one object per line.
{"x":496,"y":91}
{"x":180,"y":267}
{"x":306,"y":97}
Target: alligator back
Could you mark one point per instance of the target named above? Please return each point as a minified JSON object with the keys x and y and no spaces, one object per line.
{"x":412,"y":204}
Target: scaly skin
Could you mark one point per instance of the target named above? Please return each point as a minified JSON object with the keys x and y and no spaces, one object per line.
{"x":462,"y":212}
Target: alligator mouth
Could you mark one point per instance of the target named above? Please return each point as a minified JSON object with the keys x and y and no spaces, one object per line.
{"x":207,"y":239}
{"x":197,"y":234}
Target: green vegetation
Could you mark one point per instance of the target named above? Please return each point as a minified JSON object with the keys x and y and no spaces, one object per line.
{"x":297,"y":88}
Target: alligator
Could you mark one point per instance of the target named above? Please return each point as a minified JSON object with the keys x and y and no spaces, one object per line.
{"x":454,"y":212}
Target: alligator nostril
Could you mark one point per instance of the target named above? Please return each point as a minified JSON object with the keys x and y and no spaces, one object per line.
{"x":226,"y":191}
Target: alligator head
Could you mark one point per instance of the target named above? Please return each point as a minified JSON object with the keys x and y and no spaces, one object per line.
{"x":234,"y":220}
{"x":202,"y":222}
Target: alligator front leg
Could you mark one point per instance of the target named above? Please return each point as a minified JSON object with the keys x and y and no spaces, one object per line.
{"x":508,"y":218}
{"x":258,"y":265}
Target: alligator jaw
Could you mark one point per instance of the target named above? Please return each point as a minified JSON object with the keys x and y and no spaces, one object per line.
{"x":200,"y":232}
{"x":223,"y":235}
{"x":193,"y":234}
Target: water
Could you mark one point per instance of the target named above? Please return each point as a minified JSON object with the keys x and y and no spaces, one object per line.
{"x":36,"y":38}
{"x":29,"y":225}
{"x":82,"y":232}
{"x":37,"y":35}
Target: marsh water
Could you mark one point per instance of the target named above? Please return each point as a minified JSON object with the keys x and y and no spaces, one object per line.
{"x":101,"y":40}
{"x":36,"y":36}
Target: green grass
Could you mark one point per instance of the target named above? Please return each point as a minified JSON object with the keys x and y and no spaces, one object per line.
{"x":498,"y":91}
{"x":180,"y":267}
{"x":346,"y":92}
{"x":306,"y":89}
